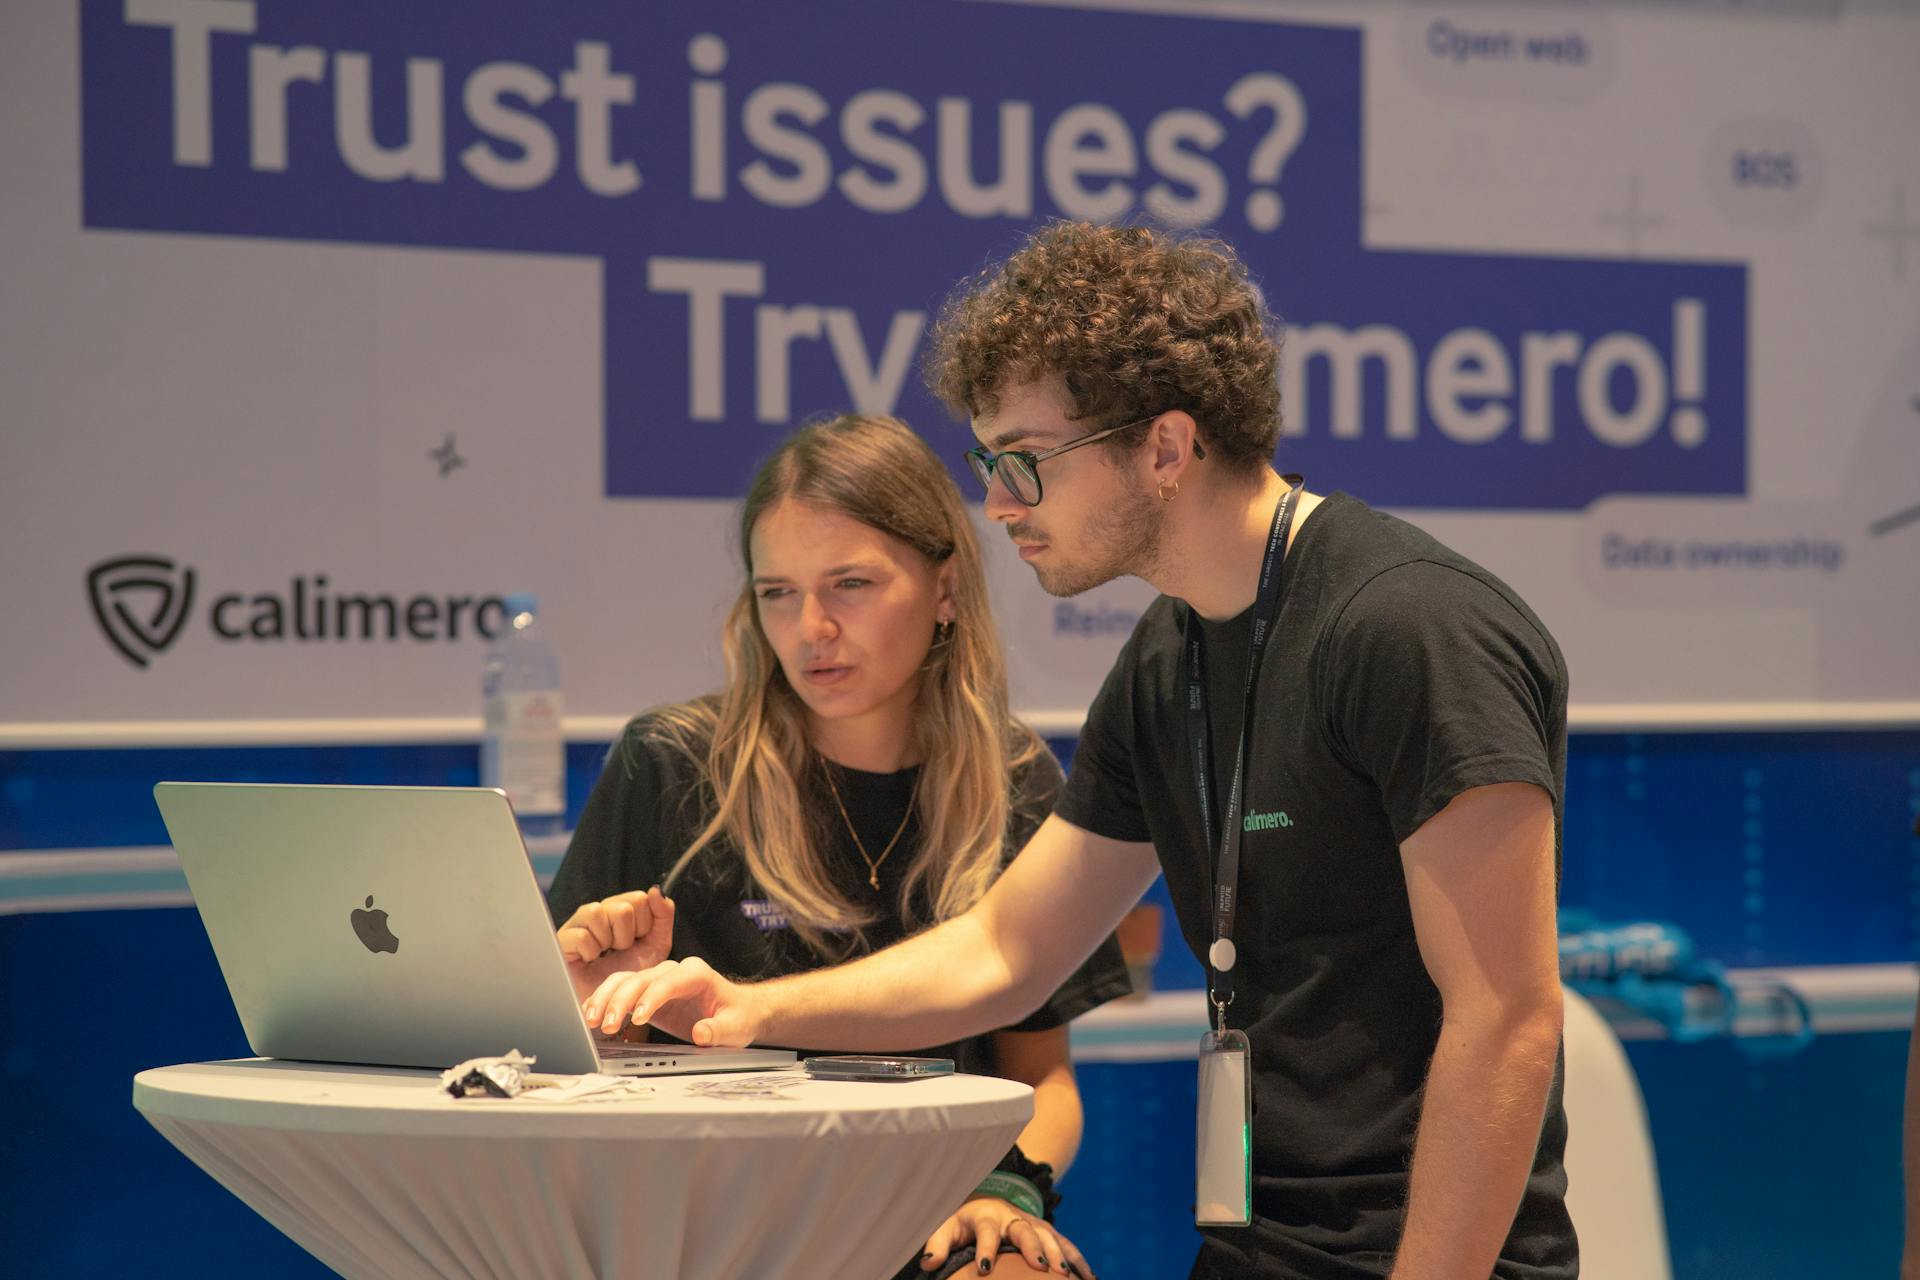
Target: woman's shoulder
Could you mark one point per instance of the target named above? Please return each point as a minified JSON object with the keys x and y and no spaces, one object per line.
{"x":676,"y":724}
{"x":659,"y":766}
{"x":670,"y":740}
{"x":1036,"y":775}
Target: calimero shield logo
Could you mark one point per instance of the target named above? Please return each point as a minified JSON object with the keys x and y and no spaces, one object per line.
{"x":141,"y":602}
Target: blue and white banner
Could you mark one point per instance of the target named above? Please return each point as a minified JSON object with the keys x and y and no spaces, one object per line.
{"x":336,"y":323}
{"x":776,"y":196}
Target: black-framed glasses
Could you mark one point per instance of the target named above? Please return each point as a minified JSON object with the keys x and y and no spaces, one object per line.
{"x":1019,"y":469}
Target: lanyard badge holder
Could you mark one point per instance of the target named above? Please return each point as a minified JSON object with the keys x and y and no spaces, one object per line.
{"x":1223,"y":1148}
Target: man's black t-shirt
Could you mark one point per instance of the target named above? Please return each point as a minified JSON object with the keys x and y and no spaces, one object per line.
{"x":1399,"y":675}
{"x":649,"y":803}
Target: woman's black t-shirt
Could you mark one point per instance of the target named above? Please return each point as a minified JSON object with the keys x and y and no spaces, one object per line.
{"x":649,"y":804}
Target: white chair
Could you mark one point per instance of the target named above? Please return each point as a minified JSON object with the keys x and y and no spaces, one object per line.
{"x":1613,"y":1187}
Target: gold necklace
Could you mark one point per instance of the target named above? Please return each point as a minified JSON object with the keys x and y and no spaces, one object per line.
{"x":873,"y":864}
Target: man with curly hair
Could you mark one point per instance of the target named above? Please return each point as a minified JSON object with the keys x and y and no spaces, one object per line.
{"x":1343,"y":743}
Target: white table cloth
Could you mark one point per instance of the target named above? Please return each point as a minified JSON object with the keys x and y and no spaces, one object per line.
{"x":380,"y":1173}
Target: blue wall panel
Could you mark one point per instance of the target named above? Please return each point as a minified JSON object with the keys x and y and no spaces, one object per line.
{"x":100,"y":799}
{"x":1768,"y":848}
{"x":90,"y":998}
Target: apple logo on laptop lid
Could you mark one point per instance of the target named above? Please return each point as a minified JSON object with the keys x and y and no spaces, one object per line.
{"x":370,"y":926}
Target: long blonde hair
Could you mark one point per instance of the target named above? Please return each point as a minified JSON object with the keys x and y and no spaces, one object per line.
{"x":750,"y":742}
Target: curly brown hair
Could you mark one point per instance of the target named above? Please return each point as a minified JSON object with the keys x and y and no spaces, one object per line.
{"x":1136,"y":320}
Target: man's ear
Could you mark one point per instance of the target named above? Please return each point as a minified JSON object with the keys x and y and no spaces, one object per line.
{"x":1170,"y":443}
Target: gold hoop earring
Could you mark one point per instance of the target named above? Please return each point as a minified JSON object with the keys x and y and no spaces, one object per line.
{"x":1161,"y":489}
{"x":942,"y":637}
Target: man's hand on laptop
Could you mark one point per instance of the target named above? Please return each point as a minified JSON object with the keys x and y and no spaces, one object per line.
{"x":621,"y":935}
{"x":684,"y":998}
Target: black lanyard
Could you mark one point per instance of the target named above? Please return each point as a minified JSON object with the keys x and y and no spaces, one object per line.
{"x":1226,"y":878}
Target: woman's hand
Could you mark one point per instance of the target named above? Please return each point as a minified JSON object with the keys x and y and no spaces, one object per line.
{"x":985,"y":1221}
{"x":626,"y":933}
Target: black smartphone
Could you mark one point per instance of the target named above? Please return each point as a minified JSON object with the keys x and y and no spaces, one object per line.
{"x":865,"y":1067}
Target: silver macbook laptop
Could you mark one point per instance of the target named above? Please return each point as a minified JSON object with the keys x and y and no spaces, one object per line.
{"x":400,"y":926}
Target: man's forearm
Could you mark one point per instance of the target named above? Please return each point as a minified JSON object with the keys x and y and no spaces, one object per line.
{"x":942,"y":985}
{"x":1480,"y":1121}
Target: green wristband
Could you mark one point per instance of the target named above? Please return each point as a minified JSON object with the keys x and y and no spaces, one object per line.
{"x":1015,"y":1190}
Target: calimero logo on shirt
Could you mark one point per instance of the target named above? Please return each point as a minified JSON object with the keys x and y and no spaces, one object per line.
{"x":1266,"y":821}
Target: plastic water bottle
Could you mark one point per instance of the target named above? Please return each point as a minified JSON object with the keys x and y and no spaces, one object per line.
{"x":522,"y":750}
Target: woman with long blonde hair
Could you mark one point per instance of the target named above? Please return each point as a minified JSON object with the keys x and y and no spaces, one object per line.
{"x":858,"y":779}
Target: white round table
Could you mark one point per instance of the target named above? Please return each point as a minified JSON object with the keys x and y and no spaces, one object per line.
{"x":380,"y":1173}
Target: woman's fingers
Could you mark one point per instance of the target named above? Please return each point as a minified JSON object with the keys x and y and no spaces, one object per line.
{"x":653,"y":923}
{"x":576,"y":944}
{"x":1032,"y":1241}
{"x":986,"y":1243}
{"x":620,"y":921}
{"x":1043,"y":1247}
{"x":1066,"y":1257}
{"x":941,"y":1242}
{"x":659,"y":927}
{"x":1040,"y":1246}
{"x":591,"y":919}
